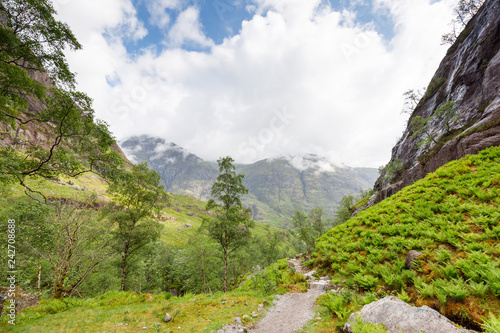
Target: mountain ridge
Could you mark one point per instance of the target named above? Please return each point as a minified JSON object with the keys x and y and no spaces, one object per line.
{"x":277,"y":186}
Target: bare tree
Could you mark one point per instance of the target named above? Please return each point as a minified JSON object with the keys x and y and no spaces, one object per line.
{"x":76,"y":241}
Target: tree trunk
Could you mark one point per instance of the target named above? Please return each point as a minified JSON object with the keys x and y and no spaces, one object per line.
{"x":204,"y":286}
{"x":225,"y":270}
{"x":124,"y":271}
{"x":39,"y":278}
{"x":59,"y":283}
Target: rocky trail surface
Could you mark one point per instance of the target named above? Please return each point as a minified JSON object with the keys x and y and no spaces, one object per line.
{"x":292,"y":311}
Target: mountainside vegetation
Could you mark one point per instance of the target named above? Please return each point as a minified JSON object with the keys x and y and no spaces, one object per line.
{"x":83,"y":220}
{"x":105,"y":247}
{"x":451,"y":217}
{"x":276,"y":187}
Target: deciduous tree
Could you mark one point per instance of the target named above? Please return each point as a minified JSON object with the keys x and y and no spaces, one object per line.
{"x":231,"y":225}
{"x":139,"y":196}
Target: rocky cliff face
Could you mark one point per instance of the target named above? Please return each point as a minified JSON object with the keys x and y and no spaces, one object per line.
{"x":469,"y":78}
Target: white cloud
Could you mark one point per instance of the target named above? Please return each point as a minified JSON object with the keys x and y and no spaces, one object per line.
{"x":157,"y":10}
{"x":314,"y":162}
{"x":298,"y":78}
{"x":187,"y":29}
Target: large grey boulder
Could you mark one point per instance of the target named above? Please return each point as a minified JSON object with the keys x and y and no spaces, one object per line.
{"x":398,"y":316}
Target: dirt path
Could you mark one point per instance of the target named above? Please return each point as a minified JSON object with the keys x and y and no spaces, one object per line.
{"x":291,"y":311}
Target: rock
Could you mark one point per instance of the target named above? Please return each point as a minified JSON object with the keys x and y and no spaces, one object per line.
{"x":410,"y":257}
{"x":245,"y":317}
{"x":246,"y":304}
{"x":254,"y":314}
{"x":469,"y":76}
{"x":237,"y":320}
{"x":234,"y":328}
{"x":187,"y":225}
{"x":260,"y":307}
{"x":318,"y":285}
{"x":22,"y":299}
{"x":398,"y":316}
{"x":70,"y":183}
{"x":167,"y":318}
{"x":224,"y":302}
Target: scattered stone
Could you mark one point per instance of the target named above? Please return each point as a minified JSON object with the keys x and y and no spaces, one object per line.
{"x":398,"y":316}
{"x":246,"y":304}
{"x":224,"y":302}
{"x":157,"y":324}
{"x":167,"y":318}
{"x":70,"y":182}
{"x":260,"y":307}
{"x":233,"y":328}
{"x":245,"y":317}
{"x":254,"y":314}
{"x":237,"y":320}
{"x":187,"y":225}
{"x":190,"y":214}
{"x":199,"y":311}
{"x":410,"y":258}
{"x":144,"y":328}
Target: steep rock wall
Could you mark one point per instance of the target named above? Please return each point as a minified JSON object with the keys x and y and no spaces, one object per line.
{"x":469,"y":76}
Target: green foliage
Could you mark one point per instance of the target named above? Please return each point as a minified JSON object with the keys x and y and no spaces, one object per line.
{"x":491,"y":324}
{"x":275,"y":278}
{"x":464,"y":11}
{"x":344,"y":212}
{"x":392,"y":171}
{"x":365,"y":281}
{"x":33,"y":43}
{"x":450,"y":216}
{"x":231,"y":225}
{"x":138,"y":195}
{"x":361,"y":327}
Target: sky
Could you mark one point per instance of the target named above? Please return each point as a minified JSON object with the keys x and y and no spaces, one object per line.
{"x":257,"y":79}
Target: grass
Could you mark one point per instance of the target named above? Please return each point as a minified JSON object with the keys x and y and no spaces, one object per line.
{"x":452,"y":216}
{"x":111,"y":311}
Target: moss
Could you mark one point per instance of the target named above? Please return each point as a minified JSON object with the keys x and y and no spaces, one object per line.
{"x":432,"y":89}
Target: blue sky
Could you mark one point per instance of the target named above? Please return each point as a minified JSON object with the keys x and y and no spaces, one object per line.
{"x":258,"y":79}
{"x":223,"y":18}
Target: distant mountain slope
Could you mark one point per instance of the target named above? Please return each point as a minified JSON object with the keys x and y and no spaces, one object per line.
{"x":277,"y":187}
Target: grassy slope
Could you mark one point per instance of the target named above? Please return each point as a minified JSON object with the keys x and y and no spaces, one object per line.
{"x":183,"y":209}
{"x":145,"y":312}
{"x":452,"y":216}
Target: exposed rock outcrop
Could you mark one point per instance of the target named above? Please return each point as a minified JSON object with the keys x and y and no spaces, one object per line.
{"x":22,"y":299}
{"x":398,"y":316}
{"x":468,"y":76}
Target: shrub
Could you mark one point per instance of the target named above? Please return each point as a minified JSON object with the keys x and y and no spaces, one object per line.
{"x":491,"y":324}
{"x":365,"y":281}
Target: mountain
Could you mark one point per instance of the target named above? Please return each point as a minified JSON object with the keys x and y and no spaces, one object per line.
{"x":277,"y":187}
{"x":467,"y":83}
